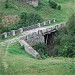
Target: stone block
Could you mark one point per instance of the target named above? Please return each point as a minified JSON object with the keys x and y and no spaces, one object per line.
{"x":21,"y":30}
{"x":13,"y":32}
{"x":5,"y":34}
{"x":49,"y":21}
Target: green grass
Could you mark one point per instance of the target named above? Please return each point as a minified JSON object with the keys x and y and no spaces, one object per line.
{"x":21,"y":63}
{"x":16,"y":49}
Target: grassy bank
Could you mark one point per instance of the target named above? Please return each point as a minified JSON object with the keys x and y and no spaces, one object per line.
{"x":20,"y":63}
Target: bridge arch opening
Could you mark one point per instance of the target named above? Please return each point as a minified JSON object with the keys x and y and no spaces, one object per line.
{"x":49,"y":40}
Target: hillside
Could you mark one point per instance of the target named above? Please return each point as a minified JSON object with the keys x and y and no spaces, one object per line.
{"x":44,"y":10}
{"x":14,"y":60}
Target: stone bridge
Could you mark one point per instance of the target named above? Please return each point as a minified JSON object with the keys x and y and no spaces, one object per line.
{"x":45,"y":35}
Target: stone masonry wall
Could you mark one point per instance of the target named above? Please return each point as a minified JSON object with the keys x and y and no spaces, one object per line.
{"x":29,"y":49}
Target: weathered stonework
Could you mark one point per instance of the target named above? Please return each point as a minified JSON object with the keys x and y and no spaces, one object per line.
{"x":29,"y":49}
{"x":10,"y":19}
{"x":46,"y":35}
{"x":32,"y":2}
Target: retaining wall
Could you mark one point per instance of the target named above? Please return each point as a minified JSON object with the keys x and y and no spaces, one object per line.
{"x":29,"y":49}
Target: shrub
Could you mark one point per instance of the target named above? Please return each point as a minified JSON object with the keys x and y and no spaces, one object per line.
{"x":59,"y":7}
{"x":42,"y":50}
{"x":49,"y":1}
{"x":53,"y":4}
{"x":1,"y":26}
{"x":27,"y":19}
{"x":7,"y":4}
{"x":66,"y":42}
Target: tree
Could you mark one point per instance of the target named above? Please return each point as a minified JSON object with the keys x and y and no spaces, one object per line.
{"x":66,"y":44}
{"x":7,"y":4}
{"x":71,"y":25}
{"x":27,"y":19}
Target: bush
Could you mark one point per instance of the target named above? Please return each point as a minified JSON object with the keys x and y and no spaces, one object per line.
{"x":7,"y":4}
{"x":42,"y":50}
{"x":53,"y":4}
{"x":27,"y":19}
{"x":66,"y":42}
{"x":49,"y":1}
{"x":59,"y":7}
{"x":1,"y":26}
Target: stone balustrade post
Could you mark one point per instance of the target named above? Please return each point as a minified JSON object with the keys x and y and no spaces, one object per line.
{"x":39,"y":25}
{"x":13,"y":32}
{"x":62,"y":25}
{"x":44,"y":22}
{"x":21,"y":30}
{"x":57,"y":27}
{"x":54,"y":20}
{"x":40,"y":32}
{"x":49,"y":21}
{"x":5,"y":34}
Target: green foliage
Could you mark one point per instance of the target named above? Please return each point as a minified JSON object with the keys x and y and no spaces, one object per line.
{"x":66,"y":42}
{"x":0,"y":25}
{"x":54,"y":5}
{"x":49,"y":1}
{"x":1,"y":28}
{"x":71,"y":25}
{"x":27,"y":19}
{"x":41,"y":48}
{"x":59,"y":7}
{"x":7,"y":4}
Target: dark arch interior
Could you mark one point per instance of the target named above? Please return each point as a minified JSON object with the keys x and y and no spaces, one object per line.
{"x":49,"y":40}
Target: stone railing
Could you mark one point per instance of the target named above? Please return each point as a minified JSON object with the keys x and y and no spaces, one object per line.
{"x":20,"y":30}
{"x":53,"y":28}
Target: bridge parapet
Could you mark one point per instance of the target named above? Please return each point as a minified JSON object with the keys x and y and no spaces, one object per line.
{"x":20,"y":30}
{"x":53,"y":28}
